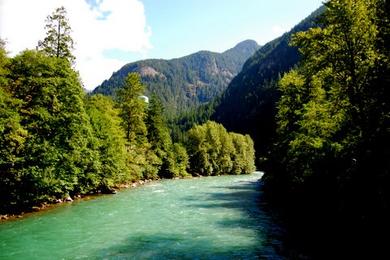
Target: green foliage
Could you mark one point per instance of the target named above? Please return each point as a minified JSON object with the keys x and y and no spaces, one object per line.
{"x":214,"y":151}
{"x":111,"y":144}
{"x":158,"y":133}
{"x":59,"y":154}
{"x":12,"y":140}
{"x":58,"y":42}
{"x":186,"y":120}
{"x":142,"y":160}
{"x":185,"y":83}
{"x":132,"y":109}
{"x":3,"y":63}
{"x":181,"y":160}
{"x":322,"y":101}
{"x":244,"y":154}
{"x":174,"y":159}
{"x":332,"y":147}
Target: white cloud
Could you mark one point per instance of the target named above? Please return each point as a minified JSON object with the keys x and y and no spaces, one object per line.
{"x":272,"y":33}
{"x":125,"y":28}
{"x":278,"y":29}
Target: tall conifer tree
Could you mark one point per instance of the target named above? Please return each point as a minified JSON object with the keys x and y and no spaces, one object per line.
{"x":58,"y":41}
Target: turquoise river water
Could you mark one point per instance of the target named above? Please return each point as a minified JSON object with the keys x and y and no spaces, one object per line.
{"x":201,"y":218}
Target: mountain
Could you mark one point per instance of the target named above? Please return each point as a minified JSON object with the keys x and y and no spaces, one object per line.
{"x":186,"y":82}
{"x":249,"y":103}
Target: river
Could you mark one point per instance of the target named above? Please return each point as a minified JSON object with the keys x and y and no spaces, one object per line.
{"x":200,"y":218}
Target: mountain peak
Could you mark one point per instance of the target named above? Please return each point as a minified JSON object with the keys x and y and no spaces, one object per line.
{"x":247,"y":46}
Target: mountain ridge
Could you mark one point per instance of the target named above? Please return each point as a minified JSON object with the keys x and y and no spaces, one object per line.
{"x":186,"y":82}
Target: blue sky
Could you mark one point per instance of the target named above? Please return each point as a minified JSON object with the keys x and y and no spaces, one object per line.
{"x":181,"y":27}
{"x":110,"y":33}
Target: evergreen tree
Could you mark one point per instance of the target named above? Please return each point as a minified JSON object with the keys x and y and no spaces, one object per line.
{"x":142,"y":160}
{"x":58,"y":42}
{"x":173,"y":157}
{"x":158,"y":132}
{"x":133,"y":109}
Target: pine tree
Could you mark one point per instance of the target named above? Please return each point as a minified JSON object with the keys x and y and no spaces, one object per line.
{"x":133,"y":109}
{"x":158,"y":132}
{"x":173,"y":157}
{"x":58,"y":42}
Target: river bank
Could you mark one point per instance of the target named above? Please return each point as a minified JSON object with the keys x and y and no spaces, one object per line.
{"x":59,"y":202}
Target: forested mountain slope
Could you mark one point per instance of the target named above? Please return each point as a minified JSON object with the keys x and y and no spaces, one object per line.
{"x":185,"y":82}
{"x":249,"y":103}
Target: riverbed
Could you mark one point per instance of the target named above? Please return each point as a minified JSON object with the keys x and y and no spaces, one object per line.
{"x":201,"y":218}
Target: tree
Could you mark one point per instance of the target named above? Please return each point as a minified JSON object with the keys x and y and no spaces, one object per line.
{"x":244,"y":154}
{"x":58,"y":42}
{"x":181,"y":160}
{"x":141,"y":158}
{"x":111,"y":144}
{"x":332,"y":149}
{"x":4,"y":61}
{"x":173,"y":157}
{"x":214,"y":151}
{"x":159,"y":138}
{"x":158,"y":132}
{"x":12,"y":139}
{"x":60,"y":156}
{"x":322,"y":109}
{"x":133,"y":109}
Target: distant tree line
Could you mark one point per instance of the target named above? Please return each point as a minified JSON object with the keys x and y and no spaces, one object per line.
{"x":214,"y":151}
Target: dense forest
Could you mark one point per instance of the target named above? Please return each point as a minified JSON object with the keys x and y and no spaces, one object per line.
{"x":329,"y":162}
{"x":57,"y":142}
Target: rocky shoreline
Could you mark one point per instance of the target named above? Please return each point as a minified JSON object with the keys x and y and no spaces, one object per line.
{"x":57,"y":202}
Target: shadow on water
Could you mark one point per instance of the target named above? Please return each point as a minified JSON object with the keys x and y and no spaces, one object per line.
{"x":243,"y":197}
{"x":176,"y":246}
{"x":247,"y":198}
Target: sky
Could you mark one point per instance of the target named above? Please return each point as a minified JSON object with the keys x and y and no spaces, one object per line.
{"x":110,"y":33}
